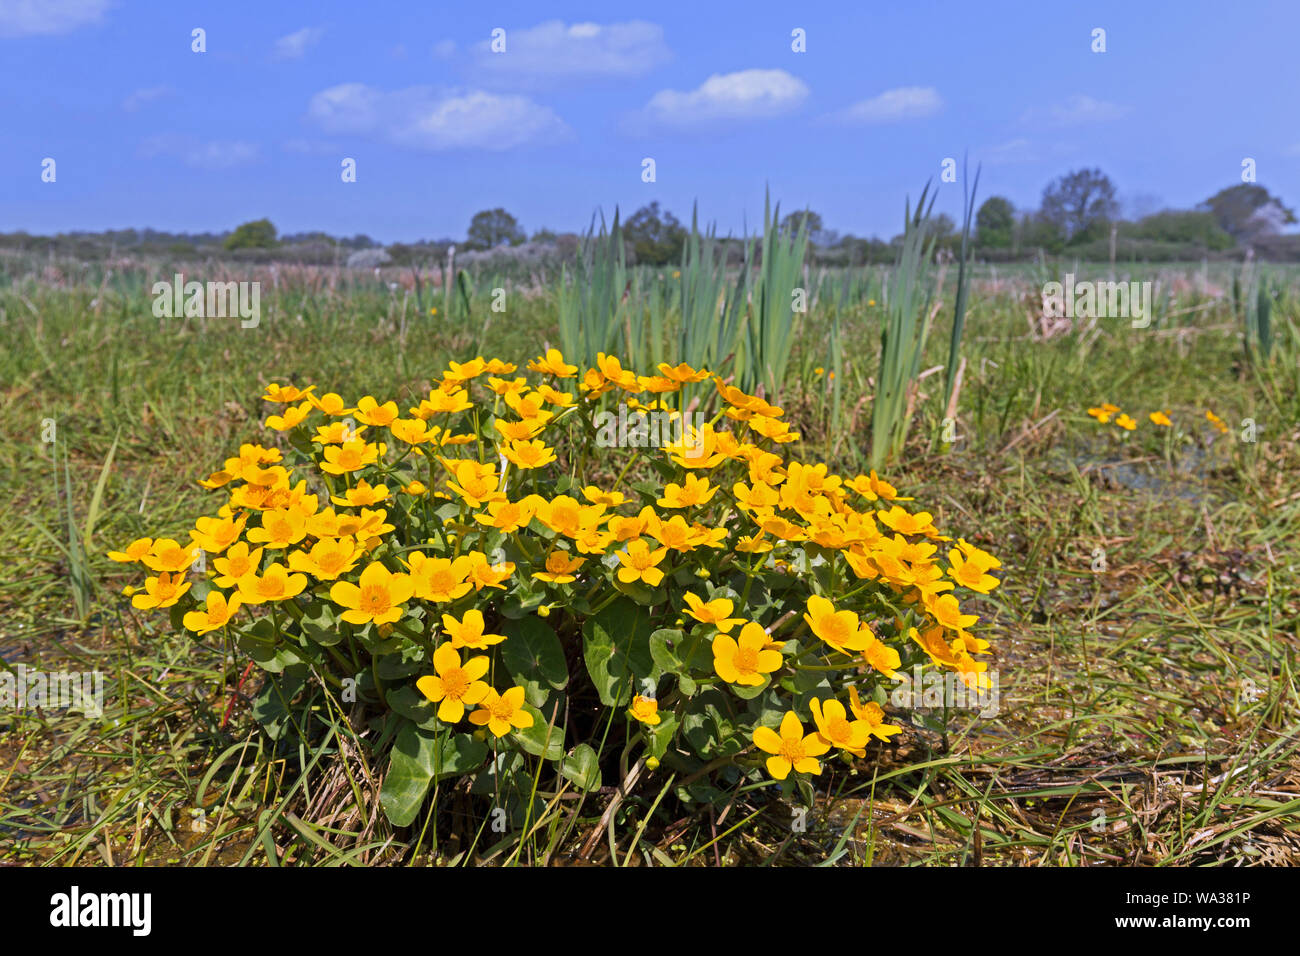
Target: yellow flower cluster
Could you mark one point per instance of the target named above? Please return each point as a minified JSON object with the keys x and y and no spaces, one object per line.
{"x":491,"y":446}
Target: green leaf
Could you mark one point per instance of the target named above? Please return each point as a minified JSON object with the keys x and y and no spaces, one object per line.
{"x":533,"y":655}
{"x":320,"y":626}
{"x":616,"y":650}
{"x":407,"y":662}
{"x":410,"y":774}
{"x":582,"y":767}
{"x":406,"y":700}
{"x":419,"y":758}
{"x":661,"y":735}
{"x":664,"y":644}
{"x":535,"y":739}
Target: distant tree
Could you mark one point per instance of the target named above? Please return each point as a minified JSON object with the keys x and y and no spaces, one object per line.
{"x":1080,"y":205}
{"x":1248,"y":210}
{"x":793,"y":222}
{"x":259,"y":234}
{"x":491,"y":228}
{"x":656,"y":237}
{"x":1034,"y":231}
{"x":544,"y":235}
{"x":994,"y":223}
{"x":1198,"y":228}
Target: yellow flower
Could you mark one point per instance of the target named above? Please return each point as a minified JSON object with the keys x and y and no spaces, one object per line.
{"x":682,"y":373}
{"x":167,"y":555}
{"x":332,"y":404}
{"x":528,"y":454}
{"x":835,"y":729}
{"x":483,"y":574}
{"x":674,"y":533}
{"x":440,"y":579}
{"x":745,"y":660}
{"x":502,"y":713}
{"x":555,"y":397}
{"x":372,"y":413}
{"x":162,"y":591}
{"x":839,"y":629}
{"x":291,"y":417}
{"x":552,"y":363}
{"x":237,"y":563}
{"x":945,"y":610}
{"x":639,"y":563}
{"x":443,"y":402}
{"x":506,"y":516}
{"x":283,"y":394}
{"x":455,"y":686}
{"x":415,"y":488}
{"x":875,"y":488}
{"x":519,"y":431}
{"x":360,"y":495}
{"x":281,"y":527}
{"x":468,"y":631}
{"x":1101,"y":413}
{"x":218,"y":613}
{"x":508,"y":386}
{"x":1126,"y":423}
{"x":378,"y":599}
{"x":972,"y":572}
{"x":1161,"y":418}
{"x":873,"y":716}
{"x":896,"y":519}
{"x":350,"y":456}
{"x":474,"y":482}
{"x":559,"y":568}
{"x":645,"y":709}
{"x":327,"y":559}
{"x":135,"y":551}
{"x":791,"y":749}
{"x":610,"y":499}
{"x":716,"y":612}
{"x":412,"y":431}
{"x":696,"y":491}
{"x":214,"y":535}
{"x":880,"y":655}
{"x":274,"y":584}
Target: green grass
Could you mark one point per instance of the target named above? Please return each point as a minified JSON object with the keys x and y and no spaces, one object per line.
{"x":1149,"y":711}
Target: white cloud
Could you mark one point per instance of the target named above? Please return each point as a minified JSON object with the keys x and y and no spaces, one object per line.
{"x":1078,"y":110}
{"x":1014,"y":151}
{"x":745,"y":94}
{"x":421,"y":118}
{"x":554,"y":49}
{"x":295,"y":45}
{"x":902,"y":103}
{"x":21,"y":18}
{"x":145,"y":96}
{"x":214,"y":154}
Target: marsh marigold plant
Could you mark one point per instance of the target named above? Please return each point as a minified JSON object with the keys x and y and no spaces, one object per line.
{"x":469,"y":574}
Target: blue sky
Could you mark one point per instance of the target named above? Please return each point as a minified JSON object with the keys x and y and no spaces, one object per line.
{"x":146,"y":132}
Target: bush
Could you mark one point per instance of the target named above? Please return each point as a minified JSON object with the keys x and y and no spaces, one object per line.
{"x":494,"y":592}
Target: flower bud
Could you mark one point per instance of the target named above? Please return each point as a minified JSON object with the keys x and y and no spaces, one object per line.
{"x":652,"y":763}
